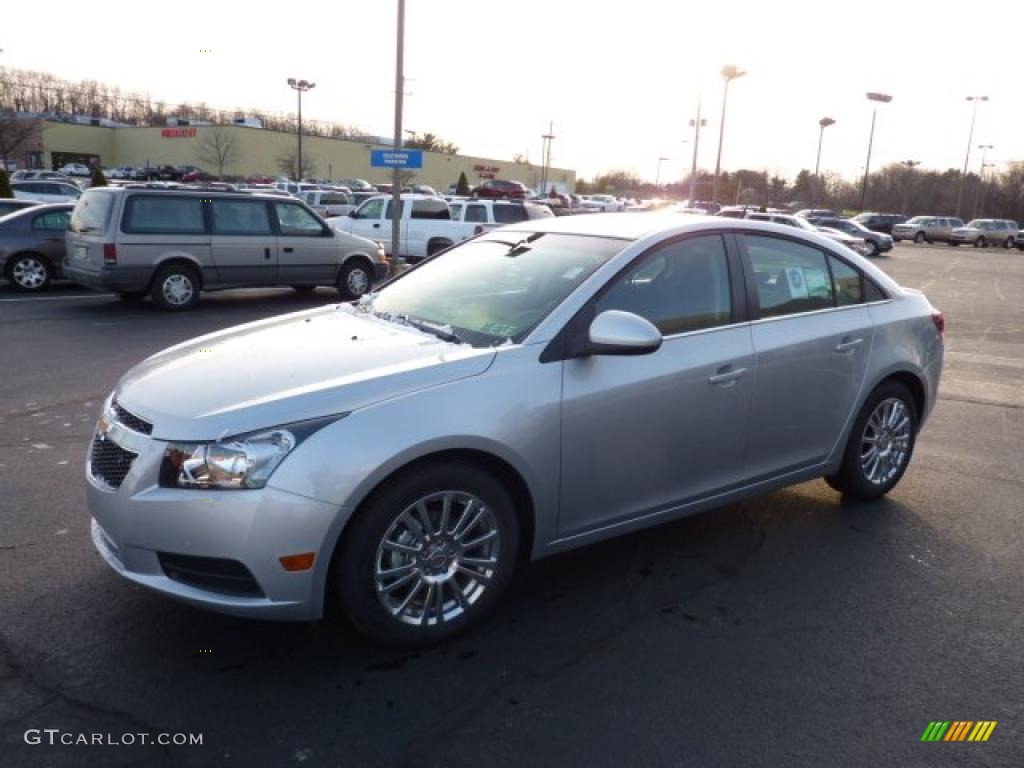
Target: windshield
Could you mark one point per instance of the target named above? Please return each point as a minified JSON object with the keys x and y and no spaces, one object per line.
{"x":494,"y":288}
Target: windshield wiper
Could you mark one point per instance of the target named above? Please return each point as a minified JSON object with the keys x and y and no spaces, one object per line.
{"x":443,"y":332}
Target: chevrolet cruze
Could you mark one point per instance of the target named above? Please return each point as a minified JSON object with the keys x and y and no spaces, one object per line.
{"x":536,"y":389}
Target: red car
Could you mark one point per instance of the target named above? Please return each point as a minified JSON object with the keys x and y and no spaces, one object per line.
{"x":499,"y":188}
{"x":198,"y":175}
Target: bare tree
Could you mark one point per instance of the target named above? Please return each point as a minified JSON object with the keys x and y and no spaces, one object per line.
{"x":288,"y":164}
{"x":217,"y":147}
{"x":17,"y":134}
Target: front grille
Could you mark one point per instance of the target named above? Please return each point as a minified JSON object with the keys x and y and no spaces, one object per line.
{"x":109,"y":462}
{"x":214,"y":574}
{"x":131,"y":421}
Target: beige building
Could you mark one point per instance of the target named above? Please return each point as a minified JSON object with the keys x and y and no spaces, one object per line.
{"x":257,"y":152}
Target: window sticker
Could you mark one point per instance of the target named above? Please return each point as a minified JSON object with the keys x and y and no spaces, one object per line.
{"x":797,"y":284}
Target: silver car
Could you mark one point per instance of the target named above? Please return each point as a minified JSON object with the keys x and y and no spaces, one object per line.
{"x":536,"y":389}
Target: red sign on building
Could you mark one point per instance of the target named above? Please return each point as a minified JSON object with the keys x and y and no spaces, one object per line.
{"x":178,"y":133}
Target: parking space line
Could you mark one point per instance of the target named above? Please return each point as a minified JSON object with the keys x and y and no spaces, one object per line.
{"x":59,"y":298}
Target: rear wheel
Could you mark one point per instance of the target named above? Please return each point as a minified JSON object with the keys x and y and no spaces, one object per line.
{"x":175,"y":287}
{"x":354,"y":279}
{"x":980,"y":242}
{"x":428,"y":555}
{"x":920,"y":238}
{"x":29,"y":272}
{"x":880,"y":445}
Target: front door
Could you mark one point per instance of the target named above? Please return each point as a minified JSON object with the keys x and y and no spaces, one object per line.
{"x":641,"y":434}
{"x":242,"y":243}
{"x":812,"y":343}
{"x":307,"y":253}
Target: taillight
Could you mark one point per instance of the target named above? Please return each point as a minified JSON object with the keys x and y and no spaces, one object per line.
{"x":109,"y":253}
{"x":939,"y":322}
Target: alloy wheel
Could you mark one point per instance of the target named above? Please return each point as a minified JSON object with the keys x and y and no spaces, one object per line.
{"x":29,"y":273}
{"x":437,"y":559}
{"x":885,"y":443}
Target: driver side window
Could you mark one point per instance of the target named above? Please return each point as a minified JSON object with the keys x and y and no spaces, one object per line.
{"x":680,"y":287}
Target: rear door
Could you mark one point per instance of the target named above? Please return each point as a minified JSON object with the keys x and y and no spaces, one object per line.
{"x":307,"y":253}
{"x":812,"y":339}
{"x":49,"y":229}
{"x":243,"y":242}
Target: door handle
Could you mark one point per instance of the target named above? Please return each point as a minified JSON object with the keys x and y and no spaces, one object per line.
{"x":726,"y":376}
{"x":376,"y":226}
{"x":848,"y":344}
{"x":289,"y":250}
{"x":266,"y":253}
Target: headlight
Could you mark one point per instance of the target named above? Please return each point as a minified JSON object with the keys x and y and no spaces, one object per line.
{"x":238,"y":464}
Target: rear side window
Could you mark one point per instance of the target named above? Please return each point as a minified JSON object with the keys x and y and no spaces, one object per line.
{"x":297,"y":221}
{"x":680,"y":287}
{"x":240,"y":217}
{"x":509,"y":214}
{"x":476,"y":213}
{"x":430,"y":209}
{"x":789,"y":277}
{"x":847,"y":283}
{"x":55,"y":221}
{"x":164,"y":215}
{"x":92,"y":211}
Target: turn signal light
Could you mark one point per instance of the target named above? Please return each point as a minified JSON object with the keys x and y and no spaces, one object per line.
{"x":109,"y":253}
{"x":301,"y":562}
{"x":939,"y":322}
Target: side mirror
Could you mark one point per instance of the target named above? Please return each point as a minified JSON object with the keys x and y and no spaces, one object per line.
{"x":622,"y":333}
{"x":352,"y":214}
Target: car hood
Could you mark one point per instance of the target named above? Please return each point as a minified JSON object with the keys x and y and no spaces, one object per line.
{"x":288,"y":369}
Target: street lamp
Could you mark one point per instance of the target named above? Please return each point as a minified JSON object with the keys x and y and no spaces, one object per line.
{"x":910,"y":165}
{"x":300,"y":86}
{"x":967,"y":157}
{"x":981,"y":176}
{"x":729,"y":73}
{"x":545,"y":156}
{"x":883,"y":98}
{"x":657,"y":176}
{"x":825,"y":122}
{"x":696,"y":125}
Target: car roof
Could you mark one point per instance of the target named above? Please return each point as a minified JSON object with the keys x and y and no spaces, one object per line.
{"x":625,"y":226}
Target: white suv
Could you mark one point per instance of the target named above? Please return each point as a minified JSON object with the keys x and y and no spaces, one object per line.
{"x":496,"y":213}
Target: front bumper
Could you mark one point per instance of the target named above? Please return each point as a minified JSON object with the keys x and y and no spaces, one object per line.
{"x":884,"y":246}
{"x":137,"y":522}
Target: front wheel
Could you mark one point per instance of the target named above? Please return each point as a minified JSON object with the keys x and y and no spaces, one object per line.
{"x":980,"y":243}
{"x":880,"y":445}
{"x":1009,"y":243}
{"x":354,"y":279}
{"x":30,"y":273}
{"x":428,"y":555}
{"x":920,"y":238}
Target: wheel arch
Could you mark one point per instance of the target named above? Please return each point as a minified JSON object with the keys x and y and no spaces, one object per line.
{"x":177,"y":258}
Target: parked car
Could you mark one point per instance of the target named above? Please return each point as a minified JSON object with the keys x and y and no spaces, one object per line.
{"x":328,"y":203}
{"x":927,"y":229}
{"x":426,"y":225}
{"x":176,"y":172}
{"x":737,"y":211}
{"x":605,"y":203}
{"x":386,"y":189}
{"x":809,"y":213}
{"x":856,"y":244}
{"x":32,"y":245}
{"x":7,"y":205}
{"x":424,"y":189}
{"x":46,"y":191}
{"x":40,"y":175}
{"x":879,"y":241}
{"x":984,"y":232}
{"x":533,"y":390}
{"x":880,"y":222}
{"x":489,"y":214}
{"x":197,"y":175}
{"x":75,"y":169}
{"x":501,"y":188}
{"x":358,"y":185}
{"x":175,"y":244}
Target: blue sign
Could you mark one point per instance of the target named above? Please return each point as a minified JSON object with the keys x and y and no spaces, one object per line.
{"x":396,"y":158}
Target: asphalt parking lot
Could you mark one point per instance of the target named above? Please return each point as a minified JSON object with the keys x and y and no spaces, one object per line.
{"x":788,"y":630}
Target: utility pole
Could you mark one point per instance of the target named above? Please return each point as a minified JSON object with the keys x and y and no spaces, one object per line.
{"x":696,"y":125}
{"x":882,"y":98}
{"x":824,"y":123}
{"x":981,"y":177}
{"x":546,"y":157}
{"x":967,"y":156}
{"x":396,"y":180}
{"x":657,"y":176}
{"x":910,"y":165}
{"x":300,"y":86}
{"x":729,"y":73}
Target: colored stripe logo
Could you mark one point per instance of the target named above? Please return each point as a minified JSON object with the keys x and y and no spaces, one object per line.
{"x":958,"y":730}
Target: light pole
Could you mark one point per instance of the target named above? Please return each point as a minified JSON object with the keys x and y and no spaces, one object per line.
{"x":729,"y":73}
{"x":967,"y":157}
{"x":910,"y":165}
{"x":883,"y":98}
{"x":657,"y":176}
{"x":825,"y":122}
{"x":545,"y":154}
{"x":396,"y":176}
{"x":300,"y":86}
{"x":981,"y":177}
{"x":696,"y":125}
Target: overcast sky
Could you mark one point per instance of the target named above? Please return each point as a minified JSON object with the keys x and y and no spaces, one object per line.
{"x":619,"y":79}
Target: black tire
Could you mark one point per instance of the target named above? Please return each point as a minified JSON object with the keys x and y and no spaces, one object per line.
{"x":1009,"y":243}
{"x":436,"y":246}
{"x":980,"y":242}
{"x":175,"y":287}
{"x":875,"y":250}
{"x":354,"y":569}
{"x":355,"y":278}
{"x":920,"y":238}
{"x":304,"y":289}
{"x":851,"y":479}
{"x":29,"y":272}
{"x":132,"y":296}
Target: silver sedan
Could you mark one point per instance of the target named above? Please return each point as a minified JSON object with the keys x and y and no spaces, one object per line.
{"x":544,"y":386}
